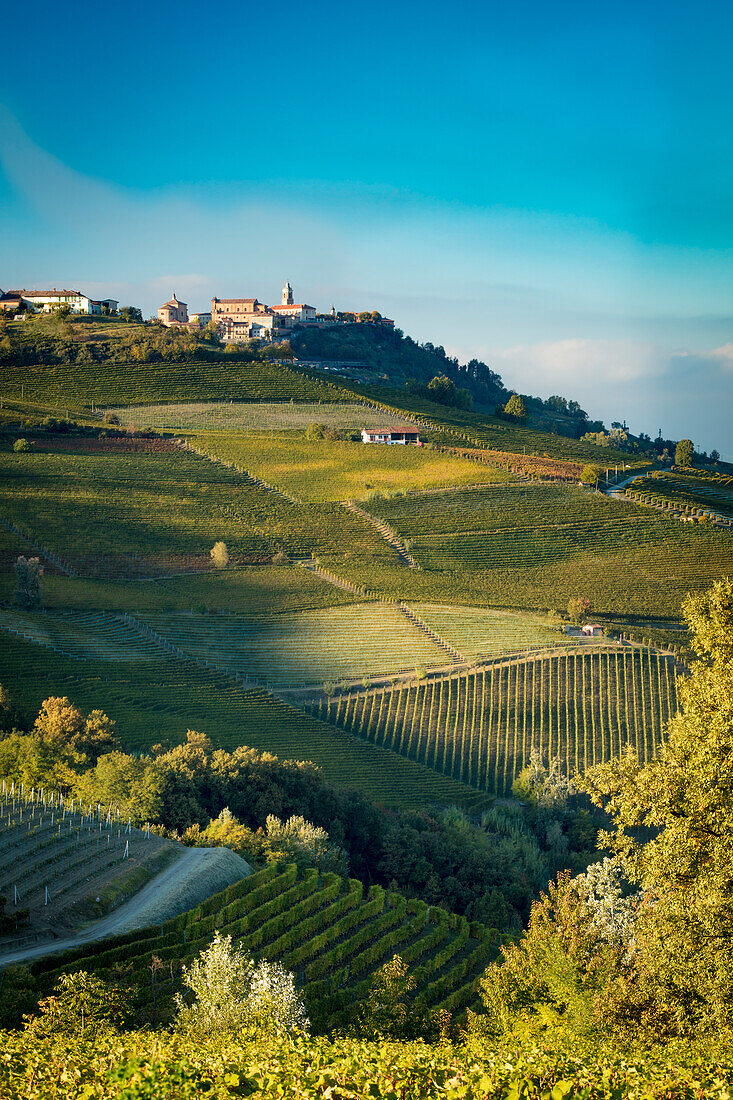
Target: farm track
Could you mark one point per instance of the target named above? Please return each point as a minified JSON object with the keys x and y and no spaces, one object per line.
{"x":389,"y":535}
{"x":330,"y":578}
{"x":415,"y":619}
{"x":170,"y":893}
{"x":247,"y":477}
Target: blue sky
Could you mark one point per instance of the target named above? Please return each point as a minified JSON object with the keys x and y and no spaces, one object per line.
{"x":545,"y":186}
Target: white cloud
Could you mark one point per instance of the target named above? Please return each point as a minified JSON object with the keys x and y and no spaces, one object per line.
{"x":576,"y":361}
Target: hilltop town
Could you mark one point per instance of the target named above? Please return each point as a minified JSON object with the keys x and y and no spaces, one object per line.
{"x":238,"y":319}
{"x":233,"y":320}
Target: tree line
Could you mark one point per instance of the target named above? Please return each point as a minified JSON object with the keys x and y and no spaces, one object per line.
{"x":489,"y":867}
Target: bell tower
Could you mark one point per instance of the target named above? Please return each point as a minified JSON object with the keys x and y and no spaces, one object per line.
{"x":287,"y":295}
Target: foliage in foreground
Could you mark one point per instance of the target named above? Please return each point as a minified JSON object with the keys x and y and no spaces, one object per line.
{"x":157,"y":1064}
{"x":233,"y":994}
{"x":641,"y":943}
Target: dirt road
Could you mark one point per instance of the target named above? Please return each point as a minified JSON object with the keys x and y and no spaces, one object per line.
{"x":195,"y":876}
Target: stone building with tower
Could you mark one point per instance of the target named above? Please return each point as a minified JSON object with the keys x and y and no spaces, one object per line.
{"x":293,"y":313}
{"x":240,"y":319}
{"x":173,"y":312}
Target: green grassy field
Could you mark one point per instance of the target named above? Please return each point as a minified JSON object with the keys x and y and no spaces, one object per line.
{"x":329,"y":931}
{"x":319,"y":470}
{"x":481,"y":726}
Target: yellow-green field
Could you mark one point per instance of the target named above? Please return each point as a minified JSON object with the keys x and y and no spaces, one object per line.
{"x":247,"y":416}
{"x":317,"y":470}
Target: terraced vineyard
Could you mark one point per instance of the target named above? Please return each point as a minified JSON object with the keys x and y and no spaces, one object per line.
{"x":83,"y":385}
{"x":478,"y":632}
{"x":539,"y":545}
{"x":325,"y":929}
{"x":687,"y":491}
{"x":53,"y":853}
{"x":157,"y":700}
{"x":480,"y":727}
{"x":92,"y":634}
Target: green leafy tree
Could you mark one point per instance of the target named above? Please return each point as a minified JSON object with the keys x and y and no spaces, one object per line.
{"x":682,"y":979}
{"x":231,"y":994}
{"x":37,"y":763}
{"x":590,"y":474}
{"x":226,"y":831}
{"x":441,"y":388}
{"x":59,"y":722}
{"x":544,"y":785}
{"x":81,"y":1005}
{"x":684,"y":453}
{"x":97,"y":737}
{"x":579,"y":607}
{"x":306,"y":844}
{"x":131,"y":314}
{"x":391,"y":1010}
{"x":515,"y":407}
{"x":133,"y":785}
{"x":549,"y":978}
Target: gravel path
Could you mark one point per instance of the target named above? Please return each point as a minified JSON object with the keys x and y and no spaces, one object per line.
{"x":195,"y":876}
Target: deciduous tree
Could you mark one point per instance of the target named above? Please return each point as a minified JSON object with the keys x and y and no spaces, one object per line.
{"x":219,"y":555}
{"x":684,"y":453}
{"x":683,"y":978}
{"x":515,"y":407}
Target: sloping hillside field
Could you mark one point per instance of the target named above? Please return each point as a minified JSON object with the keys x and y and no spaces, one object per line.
{"x":481,"y":727}
{"x":332,"y":933}
{"x":135,"y":620}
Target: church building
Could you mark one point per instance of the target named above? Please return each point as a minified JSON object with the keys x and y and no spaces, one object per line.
{"x":293,"y":313}
{"x":173,"y":312}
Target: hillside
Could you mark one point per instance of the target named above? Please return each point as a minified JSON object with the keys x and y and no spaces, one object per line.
{"x":330,"y":931}
{"x":61,"y":366}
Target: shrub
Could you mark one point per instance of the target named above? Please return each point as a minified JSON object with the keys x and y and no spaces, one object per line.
{"x":28,"y":587}
{"x":22,"y":446}
{"x":232,"y":994}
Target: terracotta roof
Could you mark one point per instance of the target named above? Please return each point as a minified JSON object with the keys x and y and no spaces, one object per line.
{"x":236,"y":301}
{"x":391,"y":431}
{"x":51,"y":293}
{"x":293,"y":305}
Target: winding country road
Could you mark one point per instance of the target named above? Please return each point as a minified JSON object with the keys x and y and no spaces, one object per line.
{"x":167,"y":895}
